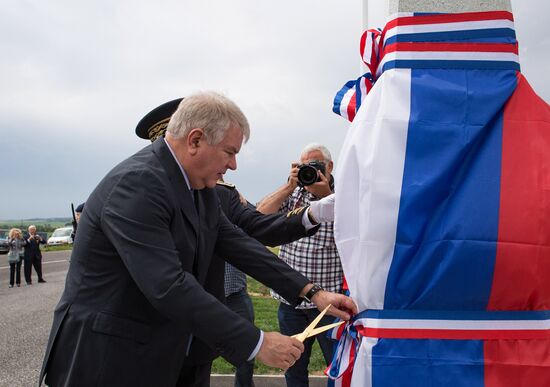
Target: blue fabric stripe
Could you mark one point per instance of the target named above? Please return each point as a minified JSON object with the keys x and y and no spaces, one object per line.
{"x":453,"y":35}
{"x":451,"y":64}
{"x":340,"y":96}
{"x":448,"y":217}
{"x":421,"y":363}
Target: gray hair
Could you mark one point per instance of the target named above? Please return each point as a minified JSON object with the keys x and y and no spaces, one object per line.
{"x":317,"y":147}
{"x":210,"y":111}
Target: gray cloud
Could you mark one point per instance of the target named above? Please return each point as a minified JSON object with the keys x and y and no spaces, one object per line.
{"x":77,"y":76}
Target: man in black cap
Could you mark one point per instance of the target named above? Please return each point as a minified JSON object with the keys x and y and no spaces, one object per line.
{"x":225,"y":281}
{"x":77,"y":213}
{"x":134,"y":298}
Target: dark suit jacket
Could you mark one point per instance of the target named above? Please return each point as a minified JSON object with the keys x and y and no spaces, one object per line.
{"x":270,"y":230}
{"x":32,"y":249}
{"x":131,"y":302}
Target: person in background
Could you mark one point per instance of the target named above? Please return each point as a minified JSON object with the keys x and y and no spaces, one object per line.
{"x":33,"y":255}
{"x":316,"y":257}
{"x":15,"y":255}
{"x":77,"y":213}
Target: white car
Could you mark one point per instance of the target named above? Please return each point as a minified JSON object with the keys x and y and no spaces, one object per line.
{"x":61,"y":236}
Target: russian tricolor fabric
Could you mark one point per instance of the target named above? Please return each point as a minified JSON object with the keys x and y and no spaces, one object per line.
{"x":443,"y":209}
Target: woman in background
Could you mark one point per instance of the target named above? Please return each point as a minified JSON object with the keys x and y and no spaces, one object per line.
{"x":15,"y":255}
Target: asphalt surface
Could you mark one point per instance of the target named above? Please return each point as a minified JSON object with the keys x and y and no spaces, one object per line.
{"x":26,"y":314}
{"x":25,"y":319}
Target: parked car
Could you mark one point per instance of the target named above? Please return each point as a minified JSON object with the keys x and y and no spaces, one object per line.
{"x":4,"y":247}
{"x":61,"y":236}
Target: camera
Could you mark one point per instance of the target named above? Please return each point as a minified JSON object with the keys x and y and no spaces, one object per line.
{"x":307,"y":173}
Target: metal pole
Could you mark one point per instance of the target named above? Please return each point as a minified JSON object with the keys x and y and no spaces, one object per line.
{"x":364,"y":27}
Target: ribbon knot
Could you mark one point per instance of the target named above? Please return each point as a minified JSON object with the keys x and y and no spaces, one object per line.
{"x":349,"y":98}
{"x":346,"y":349}
{"x":370,"y":49}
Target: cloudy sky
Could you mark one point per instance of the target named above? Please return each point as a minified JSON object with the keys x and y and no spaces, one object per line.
{"x":76,"y":77}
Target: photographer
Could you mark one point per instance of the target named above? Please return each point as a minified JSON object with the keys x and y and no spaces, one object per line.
{"x":315,"y":256}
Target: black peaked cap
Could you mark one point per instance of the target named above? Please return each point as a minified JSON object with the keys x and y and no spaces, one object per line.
{"x":154,"y":123}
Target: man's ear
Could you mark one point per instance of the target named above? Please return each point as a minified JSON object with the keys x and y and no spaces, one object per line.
{"x":194,"y":140}
{"x":330,"y":166}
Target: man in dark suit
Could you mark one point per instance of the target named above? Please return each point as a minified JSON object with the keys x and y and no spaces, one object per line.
{"x":33,"y":256}
{"x":134,"y":297}
{"x":271,"y":230}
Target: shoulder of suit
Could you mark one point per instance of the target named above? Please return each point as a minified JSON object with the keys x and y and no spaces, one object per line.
{"x":225,"y":184}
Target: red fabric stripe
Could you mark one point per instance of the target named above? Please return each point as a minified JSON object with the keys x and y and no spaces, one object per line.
{"x":522,"y":269}
{"x":517,"y":363}
{"x":452,"y":47}
{"x":449,"y":18}
{"x":351,"y":107}
{"x":346,"y":378}
{"x":454,"y":334}
{"x":362,"y":43}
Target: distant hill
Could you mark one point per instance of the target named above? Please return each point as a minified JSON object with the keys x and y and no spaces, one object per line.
{"x":42,"y":224}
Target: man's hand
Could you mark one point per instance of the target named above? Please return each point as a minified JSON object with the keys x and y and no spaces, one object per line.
{"x":321,"y":188}
{"x":293,"y":177}
{"x":279,"y":351}
{"x":342,"y":307}
{"x":322,"y":210}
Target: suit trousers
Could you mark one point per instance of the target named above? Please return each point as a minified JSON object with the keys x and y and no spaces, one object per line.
{"x":29,"y":263}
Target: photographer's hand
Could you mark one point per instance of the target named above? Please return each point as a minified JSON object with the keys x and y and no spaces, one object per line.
{"x":321,"y":188}
{"x":293,"y":177}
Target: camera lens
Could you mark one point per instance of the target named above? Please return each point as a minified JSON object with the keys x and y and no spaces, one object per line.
{"x":307,"y":175}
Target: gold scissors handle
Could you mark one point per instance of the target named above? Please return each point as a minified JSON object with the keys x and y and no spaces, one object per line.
{"x":322,"y":329}
{"x":311,"y":327}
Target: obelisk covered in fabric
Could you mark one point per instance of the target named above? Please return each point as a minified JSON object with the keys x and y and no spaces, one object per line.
{"x":443,"y":208}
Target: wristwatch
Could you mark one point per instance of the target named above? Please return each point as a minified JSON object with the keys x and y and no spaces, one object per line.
{"x":312,"y":291}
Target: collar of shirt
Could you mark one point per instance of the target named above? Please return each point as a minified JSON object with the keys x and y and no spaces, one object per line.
{"x":179,"y":165}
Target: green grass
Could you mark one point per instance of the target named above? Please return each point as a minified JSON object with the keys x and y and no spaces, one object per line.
{"x":265,"y":310}
{"x":57,"y":248}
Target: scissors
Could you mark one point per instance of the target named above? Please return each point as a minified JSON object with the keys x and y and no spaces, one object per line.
{"x":312,"y":331}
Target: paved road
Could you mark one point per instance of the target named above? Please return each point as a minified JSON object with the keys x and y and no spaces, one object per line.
{"x":25,"y":320}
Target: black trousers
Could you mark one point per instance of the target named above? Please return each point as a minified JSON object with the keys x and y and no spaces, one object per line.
{"x":15,"y":271}
{"x":195,"y":376}
{"x":29,"y":263}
